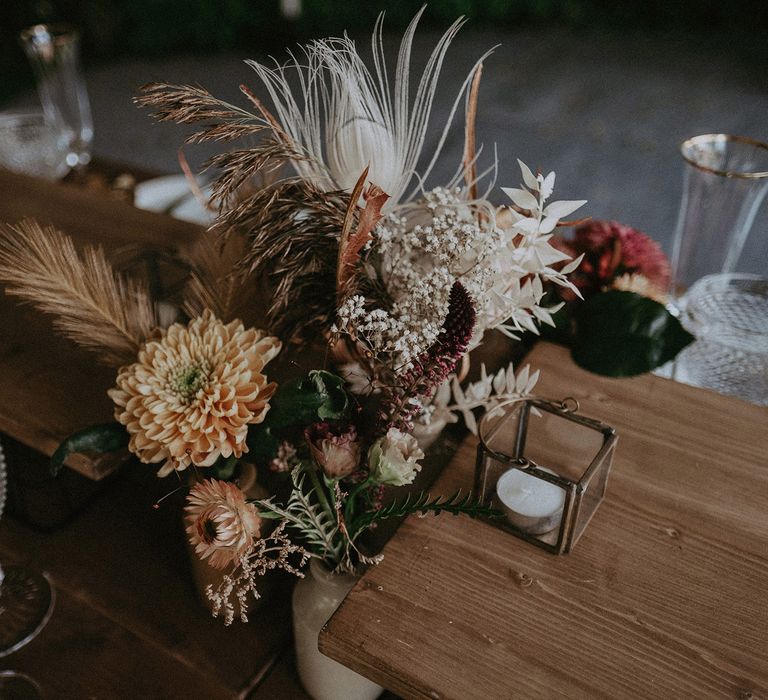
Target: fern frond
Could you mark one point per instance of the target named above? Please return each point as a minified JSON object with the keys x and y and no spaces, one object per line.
{"x":423,"y":502}
{"x":314,"y":524}
{"x":95,"y":306}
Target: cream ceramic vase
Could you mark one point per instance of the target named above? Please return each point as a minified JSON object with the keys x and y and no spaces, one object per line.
{"x":427,"y":434}
{"x":315,"y":599}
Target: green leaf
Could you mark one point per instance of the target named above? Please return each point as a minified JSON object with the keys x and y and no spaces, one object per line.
{"x":319,"y":395}
{"x":423,"y":503}
{"x":224,"y":468}
{"x":262,"y":443}
{"x":621,"y":334}
{"x":98,"y":439}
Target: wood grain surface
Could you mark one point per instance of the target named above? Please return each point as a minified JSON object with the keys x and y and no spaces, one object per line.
{"x":664,"y":595}
{"x":128,"y":623}
{"x":49,"y":387}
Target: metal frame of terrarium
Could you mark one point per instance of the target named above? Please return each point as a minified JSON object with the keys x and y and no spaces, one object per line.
{"x":562,"y":539}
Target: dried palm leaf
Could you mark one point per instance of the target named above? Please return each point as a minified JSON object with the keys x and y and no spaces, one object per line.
{"x":342,"y":115}
{"x":93,"y":305}
{"x":352,"y":244}
{"x":470,"y":141}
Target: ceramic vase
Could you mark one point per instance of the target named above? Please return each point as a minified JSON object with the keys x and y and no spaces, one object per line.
{"x":315,"y":599}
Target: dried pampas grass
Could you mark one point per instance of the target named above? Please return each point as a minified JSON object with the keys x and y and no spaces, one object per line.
{"x":186,"y":104}
{"x":217,"y":283}
{"x":292,"y":233}
{"x":93,"y":305}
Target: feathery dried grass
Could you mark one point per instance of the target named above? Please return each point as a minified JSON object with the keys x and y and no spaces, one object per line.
{"x":216,"y":281}
{"x":292,"y":231}
{"x":93,"y":305}
{"x":186,"y":104}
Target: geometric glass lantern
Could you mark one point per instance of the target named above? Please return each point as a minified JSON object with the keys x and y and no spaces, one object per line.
{"x":545,"y":468}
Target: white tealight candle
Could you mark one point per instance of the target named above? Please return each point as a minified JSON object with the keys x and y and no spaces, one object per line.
{"x":531,"y":504}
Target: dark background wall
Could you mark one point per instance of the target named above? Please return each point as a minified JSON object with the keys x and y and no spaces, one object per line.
{"x":150,"y":28}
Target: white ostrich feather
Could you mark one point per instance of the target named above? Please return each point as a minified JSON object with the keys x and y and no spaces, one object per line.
{"x":343,"y":117}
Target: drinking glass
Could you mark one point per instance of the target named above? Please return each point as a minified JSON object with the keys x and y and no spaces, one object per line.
{"x":726,"y":178}
{"x":54,"y":52}
{"x":26,"y":603}
{"x":18,"y":686}
{"x":728,"y":314}
{"x":31,"y":144}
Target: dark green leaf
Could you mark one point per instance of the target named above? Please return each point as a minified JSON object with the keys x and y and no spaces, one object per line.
{"x":621,"y":334}
{"x":98,"y":439}
{"x":224,"y":468}
{"x":262,"y":444}
{"x":319,"y":395}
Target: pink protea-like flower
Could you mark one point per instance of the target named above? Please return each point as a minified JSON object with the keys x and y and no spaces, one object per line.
{"x":191,"y":395}
{"x":336,"y":450}
{"x":221,"y":524}
{"x":612,"y":250}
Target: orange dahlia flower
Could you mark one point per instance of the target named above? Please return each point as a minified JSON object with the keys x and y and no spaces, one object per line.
{"x":192,"y":394}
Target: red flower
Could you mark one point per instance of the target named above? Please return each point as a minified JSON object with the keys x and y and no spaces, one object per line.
{"x":611,"y":250}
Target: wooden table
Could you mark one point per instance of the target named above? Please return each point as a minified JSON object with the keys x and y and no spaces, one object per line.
{"x":51,"y":387}
{"x":127,"y":622}
{"x":663,"y":597}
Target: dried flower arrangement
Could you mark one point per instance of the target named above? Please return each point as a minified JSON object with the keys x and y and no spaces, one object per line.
{"x":622,"y":327}
{"x":401,"y":283}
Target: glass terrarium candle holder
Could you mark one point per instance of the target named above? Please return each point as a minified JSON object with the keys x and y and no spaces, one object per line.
{"x":545,"y":467}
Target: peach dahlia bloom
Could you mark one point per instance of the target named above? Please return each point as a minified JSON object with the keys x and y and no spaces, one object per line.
{"x":192,"y":394}
{"x":221,"y":524}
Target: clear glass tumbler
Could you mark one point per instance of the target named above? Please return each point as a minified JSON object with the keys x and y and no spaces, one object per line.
{"x":54,"y":52}
{"x":728,"y":314}
{"x":26,"y":602}
{"x":30,"y":144}
{"x":726,"y":178}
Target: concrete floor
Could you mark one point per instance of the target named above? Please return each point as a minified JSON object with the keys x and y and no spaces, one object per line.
{"x":607,"y":113}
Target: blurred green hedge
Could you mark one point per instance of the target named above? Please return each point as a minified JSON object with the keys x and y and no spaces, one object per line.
{"x":155,"y":27}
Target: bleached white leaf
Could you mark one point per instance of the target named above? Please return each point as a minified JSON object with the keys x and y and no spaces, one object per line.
{"x":526,"y":225}
{"x":458,"y":393}
{"x":563,"y":207}
{"x":548,"y":224}
{"x":523,"y":198}
{"x":499,"y":381}
{"x":522,"y":379}
{"x":571,"y":266}
{"x":443,"y":395}
{"x":470,"y":421}
{"x":528,"y":177}
{"x":516,"y":216}
{"x":548,"y":186}
{"x":543,"y":315}
{"x":532,"y":381}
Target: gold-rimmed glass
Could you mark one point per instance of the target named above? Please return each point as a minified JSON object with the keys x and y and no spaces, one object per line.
{"x":726,"y":179}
